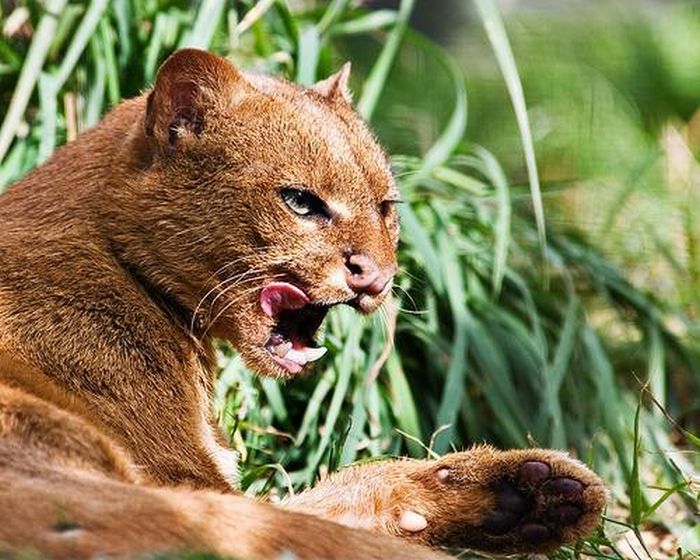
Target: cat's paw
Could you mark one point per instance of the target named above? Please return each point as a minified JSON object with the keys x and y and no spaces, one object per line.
{"x":507,"y":501}
{"x":542,"y":505}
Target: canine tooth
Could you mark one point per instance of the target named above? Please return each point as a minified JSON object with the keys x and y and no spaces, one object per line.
{"x":313,"y":354}
{"x":282,"y":349}
{"x":297,"y":356}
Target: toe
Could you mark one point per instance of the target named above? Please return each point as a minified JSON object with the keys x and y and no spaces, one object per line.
{"x":533,"y":472}
{"x":567,"y":488}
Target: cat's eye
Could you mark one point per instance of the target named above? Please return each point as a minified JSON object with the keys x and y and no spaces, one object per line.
{"x":304,"y":203}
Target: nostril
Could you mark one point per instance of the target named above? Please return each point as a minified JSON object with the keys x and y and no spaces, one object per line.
{"x":360,"y":265}
{"x":361,"y":273}
{"x":353,"y":269}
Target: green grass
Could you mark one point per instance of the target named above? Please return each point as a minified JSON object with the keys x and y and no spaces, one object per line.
{"x":614,"y":94}
{"x":502,"y":334}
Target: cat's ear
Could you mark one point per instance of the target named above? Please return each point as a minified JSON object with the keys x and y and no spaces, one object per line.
{"x":335,"y":87}
{"x":189,"y":83}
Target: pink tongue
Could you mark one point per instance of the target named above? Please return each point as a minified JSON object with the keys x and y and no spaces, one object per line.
{"x":279,"y":296}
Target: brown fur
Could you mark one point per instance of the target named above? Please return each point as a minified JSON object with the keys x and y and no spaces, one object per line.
{"x":125,"y":254}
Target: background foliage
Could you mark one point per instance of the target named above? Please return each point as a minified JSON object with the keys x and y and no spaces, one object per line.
{"x":556,"y":308}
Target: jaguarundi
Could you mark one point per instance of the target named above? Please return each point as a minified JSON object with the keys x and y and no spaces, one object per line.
{"x":240,"y":206}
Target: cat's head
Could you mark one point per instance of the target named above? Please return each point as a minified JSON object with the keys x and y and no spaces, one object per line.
{"x":273,"y":201}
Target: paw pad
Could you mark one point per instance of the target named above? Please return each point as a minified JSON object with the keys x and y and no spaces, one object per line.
{"x":564,"y":515}
{"x":565,"y":487}
{"x":534,"y":505}
{"x":535,"y":533}
{"x":533,"y":472}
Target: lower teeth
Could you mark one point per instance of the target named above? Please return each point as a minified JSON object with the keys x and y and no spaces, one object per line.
{"x":282,"y":349}
{"x":286,"y":351}
{"x":297,"y":356}
{"x":313,"y":354}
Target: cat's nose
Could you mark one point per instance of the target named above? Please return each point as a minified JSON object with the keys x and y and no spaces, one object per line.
{"x":364,"y":276}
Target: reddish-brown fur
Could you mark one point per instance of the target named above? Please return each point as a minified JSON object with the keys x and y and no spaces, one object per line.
{"x":133,"y":247}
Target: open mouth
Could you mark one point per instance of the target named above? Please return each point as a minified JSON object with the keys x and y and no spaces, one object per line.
{"x":291,"y":343}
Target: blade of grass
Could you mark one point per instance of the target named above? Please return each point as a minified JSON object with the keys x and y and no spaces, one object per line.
{"x":495,"y":30}
{"x":602,"y":375}
{"x":403,"y":404}
{"x":334,"y":11}
{"x":308,"y":57}
{"x":49,"y":111}
{"x":253,"y":15}
{"x":496,"y":381}
{"x":372,"y":21}
{"x":558,"y":369}
{"x":80,"y":40}
{"x":656,"y":374}
{"x":416,"y":236}
{"x":111,"y":68}
{"x":11,"y":167}
{"x":374,"y":85}
{"x":67,"y":23}
{"x":345,"y":369}
{"x":358,"y":420}
{"x":123,"y":15}
{"x":501,"y":226}
{"x":95,"y":97}
{"x":313,"y":409}
{"x":31,"y":68}
{"x":209,"y":14}
{"x":454,"y":392}
{"x":635,"y":483}
{"x":453,"y":133}
{"x":154,"y":46}
{"x":274,"y":398}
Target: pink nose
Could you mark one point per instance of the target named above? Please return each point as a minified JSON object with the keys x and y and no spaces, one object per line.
{"x":364,"y":276}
